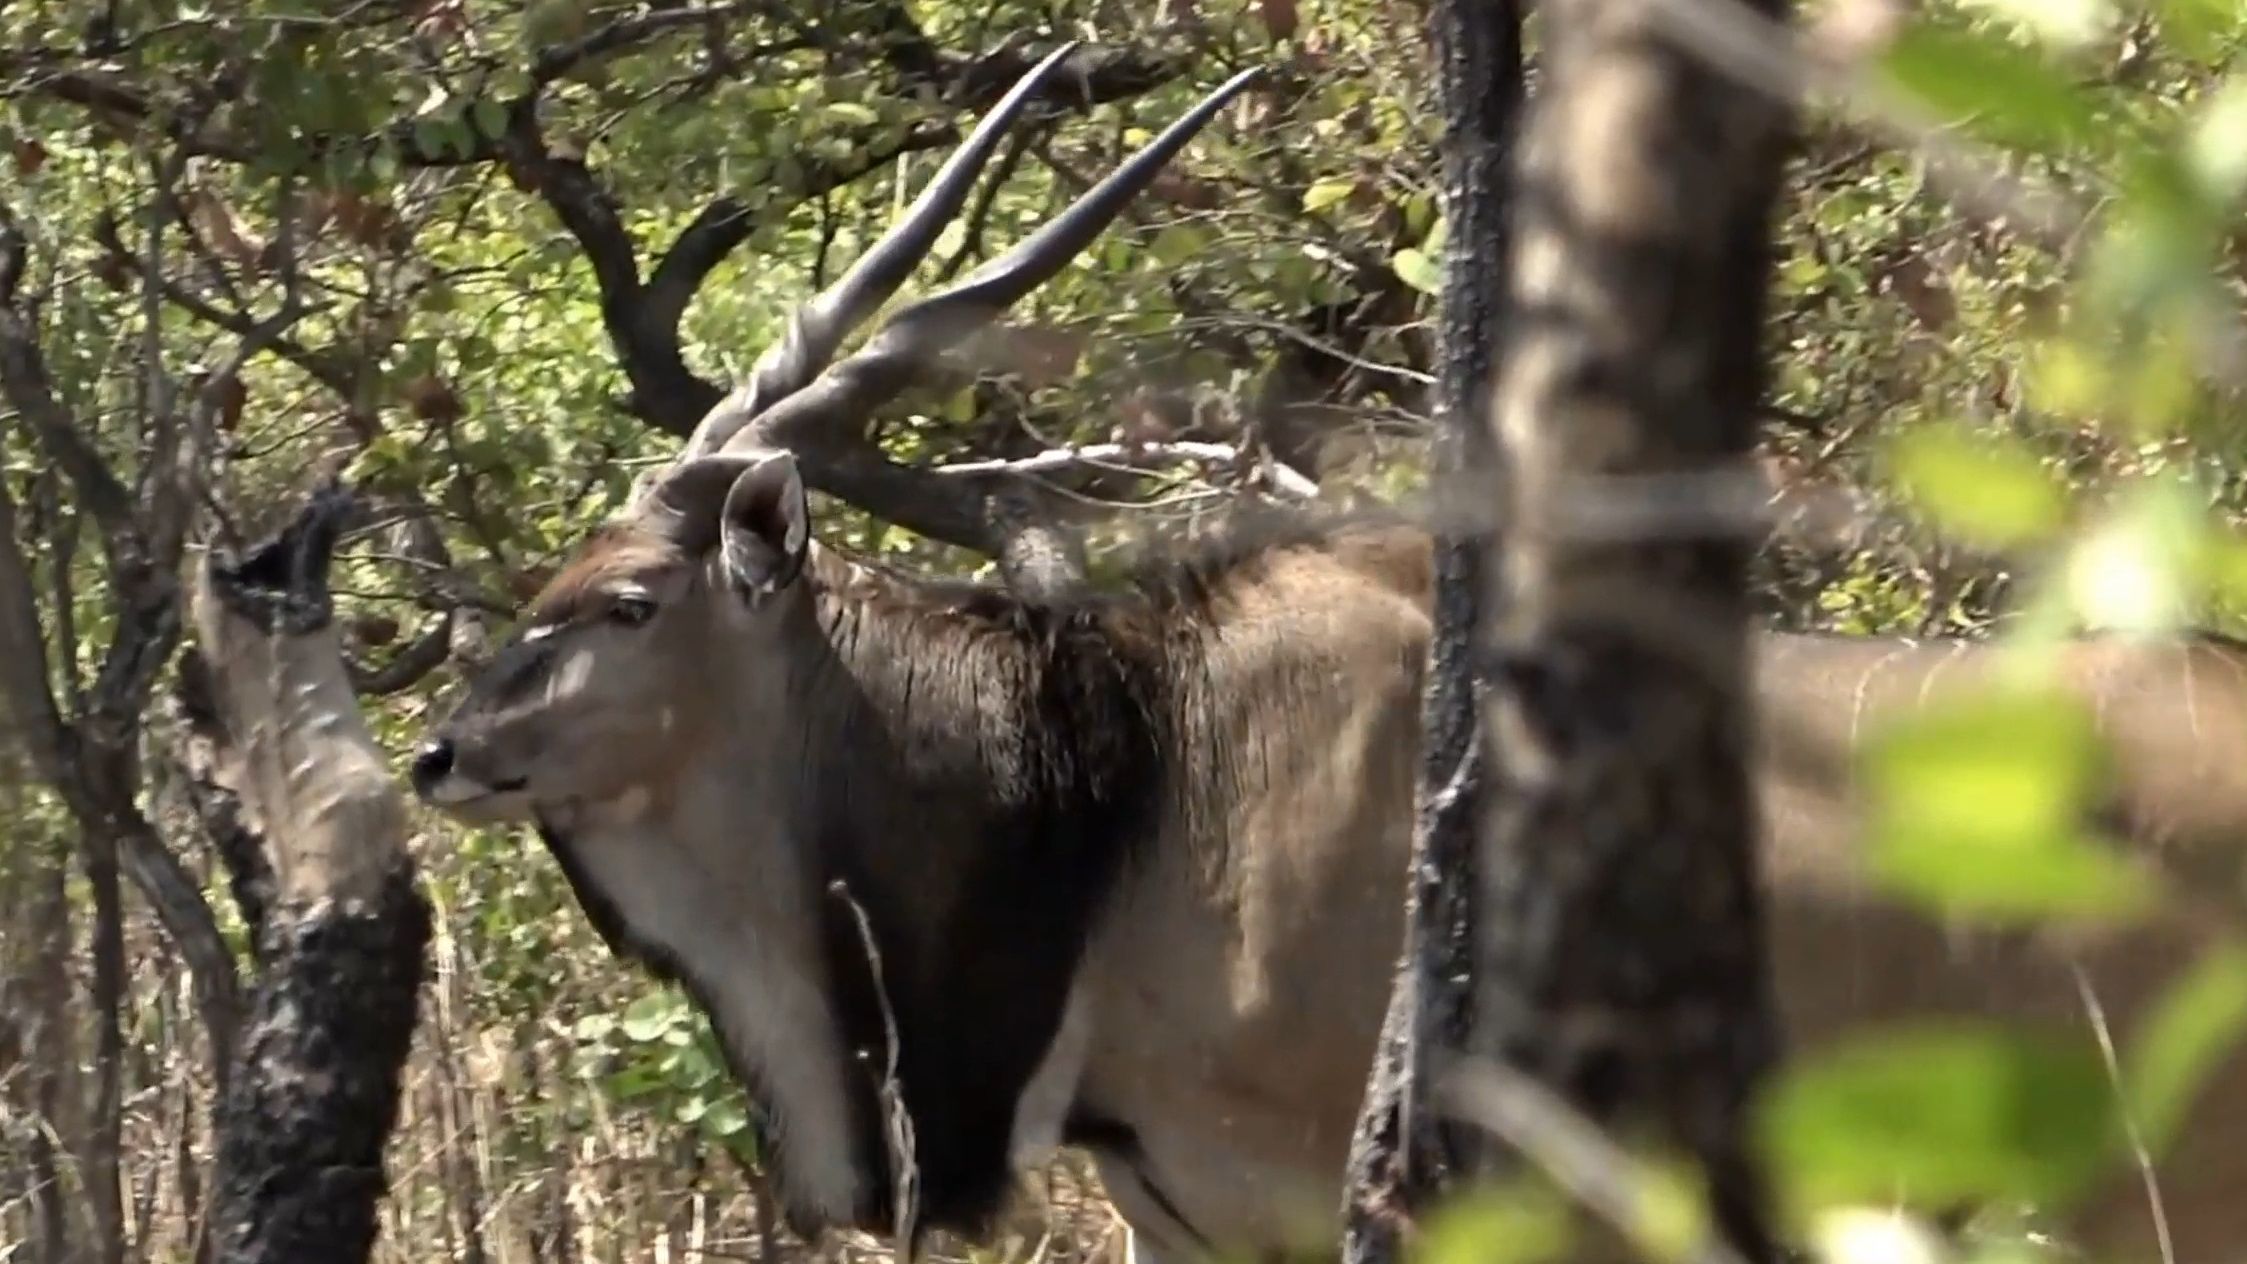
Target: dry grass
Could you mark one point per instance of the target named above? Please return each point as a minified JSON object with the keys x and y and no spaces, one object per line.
{"x":504,"y":1153}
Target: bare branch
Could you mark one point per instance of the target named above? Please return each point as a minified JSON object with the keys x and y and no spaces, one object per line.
{"x":408,"y":666}
{"x":624,"y":33}
{"x":25,"y":385}
{"x":324,"y":365}
{"x":1285,"y":479}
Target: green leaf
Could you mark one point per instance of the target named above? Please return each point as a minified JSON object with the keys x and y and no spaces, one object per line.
{"x":2199,"y":1021}
{"x":1326,"y":193}
{"x":1992,"y":491}
{"x":489,"y":117}
{"x":1975,"y":808}
{"x":1178,"y":244}
{"x":1418,"y":271}
{"x":431,"y":135}
{"x":1521,"y":1222}
{"x":1935,"y":1114}
{"x":2202,"y":29}
{"x":1990,"y":86}
{"x":2216,"y":147}
{"x":724,"y":1118}
{"x":2133,"y":571}
{"x":852,"y":112}
{"x":648,"y":1018}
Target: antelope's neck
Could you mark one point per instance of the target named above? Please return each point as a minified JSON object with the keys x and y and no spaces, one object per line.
{"x":975,"y":772}
{"x":720,"y":900}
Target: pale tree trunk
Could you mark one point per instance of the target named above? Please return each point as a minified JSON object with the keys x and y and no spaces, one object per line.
{"x":342,"y":928}
{"x":1623,"y":963}
{"x":1400,"y":1155}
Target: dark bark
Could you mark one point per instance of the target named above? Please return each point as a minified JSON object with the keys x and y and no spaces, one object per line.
{"x":1401,"y":1155}
{"x":300,"y":1137}
{"x":47,"y":1048}
{"x":344,"y":928}
{"x":1623,"y":958}
{"x":105,"y":1130}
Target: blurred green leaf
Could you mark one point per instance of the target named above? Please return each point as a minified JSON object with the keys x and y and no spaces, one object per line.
{"x":1520,"y":1222}
{"x":1974,"y":806}
{"x":2203,"y":29}
{"x":1990,"y":86}
{"x":2198,"y":1024}
{"x":2133,"y":571}
{"x":1935,"y":1114}
{"x":1988,"y":489}
{"x":2216,"y":147}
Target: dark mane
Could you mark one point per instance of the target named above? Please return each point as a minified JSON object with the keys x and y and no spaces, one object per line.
{"x":990,"y":768}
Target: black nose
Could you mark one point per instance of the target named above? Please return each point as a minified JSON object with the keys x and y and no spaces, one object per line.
{"x":432,"y":762}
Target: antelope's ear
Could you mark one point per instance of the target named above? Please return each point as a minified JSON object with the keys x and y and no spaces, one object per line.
{"x":765,"y":527}
{"x":684,"y":501}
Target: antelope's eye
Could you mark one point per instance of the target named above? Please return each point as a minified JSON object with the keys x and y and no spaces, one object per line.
{"x":631,"y":609}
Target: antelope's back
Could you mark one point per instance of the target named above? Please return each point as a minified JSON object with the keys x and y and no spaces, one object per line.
{"x":1848,"y":956}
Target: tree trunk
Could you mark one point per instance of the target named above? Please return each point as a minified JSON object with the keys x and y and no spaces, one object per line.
{"x":47,"y":1047}
{"x":1622,"y":962}
{"x":343,"y":933}
{"x":1399,"y":1155}
{"x":105,"y":1129}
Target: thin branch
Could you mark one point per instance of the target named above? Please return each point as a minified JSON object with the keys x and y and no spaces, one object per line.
{"x":408,"y":666}
{"x":1126,"y":456}
{"x":625,"y":32}
{"x":26,"y":387}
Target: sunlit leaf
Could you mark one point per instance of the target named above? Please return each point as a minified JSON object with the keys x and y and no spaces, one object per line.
{"x":648,"y":1017}
{"x":1863,"y":1235}
{"x":1418,"y":271}
{"x":1938,"y":1113}
{"x":724,"y":1118}
{"x":2131,"y":572}
{"x":2216,"y":148}
{"x":1326,"y":193}
{"x":2199,"y":1023}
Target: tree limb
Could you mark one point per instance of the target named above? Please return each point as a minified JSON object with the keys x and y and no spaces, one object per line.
{"x":302,"y":1133}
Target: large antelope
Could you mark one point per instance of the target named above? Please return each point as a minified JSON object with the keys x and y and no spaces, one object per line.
{"x":1122,"y":870}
